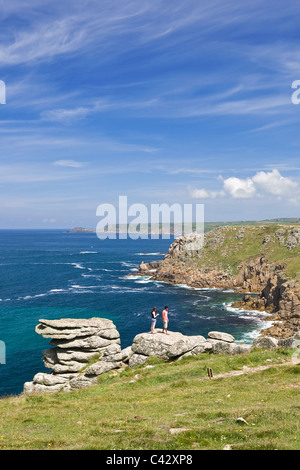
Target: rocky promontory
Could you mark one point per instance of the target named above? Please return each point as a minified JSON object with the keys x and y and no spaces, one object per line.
{"x":83,"y":349}
{"x":261,"y":260}
{"x":86,"y":348}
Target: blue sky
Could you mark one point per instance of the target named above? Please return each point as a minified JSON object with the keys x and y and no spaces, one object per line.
{"x":165,"y":102}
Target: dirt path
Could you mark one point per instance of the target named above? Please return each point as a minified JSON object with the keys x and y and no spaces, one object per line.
{"x":250,"y":370}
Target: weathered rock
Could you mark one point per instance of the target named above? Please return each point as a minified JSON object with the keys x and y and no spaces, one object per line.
{"x":224,"y":347}
{"x":89,"y":342}
{"x":52,"y":379}
{"x":100,"y":367}
{"x":265,"y":342}
{"x":72,"y":368}
{"x":221,"y":336}
{"x":137,"y":359}
{"x":202,"y":347}
{"x":292,"y":343}
{"x":81,"y":381}
{"x":164,"y":346}
{"x":31,"y":387}
{"x":78,"y":342}
{"x":69,"y":328}
{"x":126,"y":354}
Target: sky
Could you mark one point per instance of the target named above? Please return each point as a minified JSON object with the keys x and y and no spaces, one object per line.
{"x":188,"y":102}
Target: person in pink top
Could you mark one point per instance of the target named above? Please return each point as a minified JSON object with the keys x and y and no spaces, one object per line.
{"x":165,"y":319}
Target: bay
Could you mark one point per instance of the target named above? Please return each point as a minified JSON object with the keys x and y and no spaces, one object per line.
{"x":56,"y":274}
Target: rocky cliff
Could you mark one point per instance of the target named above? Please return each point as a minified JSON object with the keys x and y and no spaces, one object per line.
{"x":252,"y":259}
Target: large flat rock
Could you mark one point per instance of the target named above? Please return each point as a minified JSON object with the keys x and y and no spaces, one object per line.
{"x":71,"y":328}
{"x":165,"y":346}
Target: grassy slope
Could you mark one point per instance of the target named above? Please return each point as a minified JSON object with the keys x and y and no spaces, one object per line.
{"x":233,"y":251}
{"x":117,"y":414}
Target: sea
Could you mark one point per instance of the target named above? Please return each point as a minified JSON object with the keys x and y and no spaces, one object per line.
{"x":54,"y":274}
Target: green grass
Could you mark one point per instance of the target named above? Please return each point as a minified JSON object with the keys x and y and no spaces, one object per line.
{"x":232,"y":252}
{"x":117,"y":414}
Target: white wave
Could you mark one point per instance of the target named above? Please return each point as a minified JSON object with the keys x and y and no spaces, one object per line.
{"x":250,"y":336}
{"x":207,"y":288}
{"x":184,"y":286}
{"x":95,"y":276}
{"x":77,"y":265}
{"x":87,"y":252}
{"x":204,"y":298}
{"x":34,"y":296}
{"x":77,"y":286}
{"x":229,"y":308}
{"x":125,"y":290}
{"x":128,"y":265}
{"x":28,"y":297}
{"x":133,"y":277}
{"x":149,"y":254}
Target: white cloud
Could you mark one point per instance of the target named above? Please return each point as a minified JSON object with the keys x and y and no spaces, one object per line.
{"x":261,"y":184}
{"x":239,"y":188}
{"x":274,"y":183}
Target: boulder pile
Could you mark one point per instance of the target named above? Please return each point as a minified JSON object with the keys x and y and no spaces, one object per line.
{"x":83,"y":349}
{"x":175,"y":345}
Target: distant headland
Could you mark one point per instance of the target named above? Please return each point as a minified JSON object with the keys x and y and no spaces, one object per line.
{"x":160,"y":228}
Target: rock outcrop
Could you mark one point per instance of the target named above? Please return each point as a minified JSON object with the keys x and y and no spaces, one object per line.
{"x":86,"y":348}
{"x":240,"y":258}
{"x":83,"y":349}
{"x":174,"y":346}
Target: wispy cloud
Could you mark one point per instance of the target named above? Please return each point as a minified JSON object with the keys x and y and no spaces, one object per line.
{"x":69,"y":163}
{"x":120,"y":95}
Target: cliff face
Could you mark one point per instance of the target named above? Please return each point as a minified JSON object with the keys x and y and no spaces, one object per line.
{"x":253,"y":259}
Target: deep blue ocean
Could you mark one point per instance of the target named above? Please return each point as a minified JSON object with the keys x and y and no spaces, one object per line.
{"x":55,"y":274}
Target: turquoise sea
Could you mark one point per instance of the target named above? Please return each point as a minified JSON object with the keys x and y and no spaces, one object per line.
{"x":55,"y":274}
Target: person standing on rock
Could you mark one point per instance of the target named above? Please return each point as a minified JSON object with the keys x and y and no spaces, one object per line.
{"x":153,"y":320}
{"x":165,"y":320}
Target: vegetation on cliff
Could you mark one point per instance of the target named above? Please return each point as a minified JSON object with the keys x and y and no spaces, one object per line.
{"x":228,"y":247}
{"x":261,"y":259}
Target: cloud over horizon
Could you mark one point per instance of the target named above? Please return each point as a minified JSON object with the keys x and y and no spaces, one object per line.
{"x":263,"y":183}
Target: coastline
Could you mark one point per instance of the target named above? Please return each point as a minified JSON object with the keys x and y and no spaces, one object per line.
{"x":260,"y":317}
{"x":267,"y":285}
